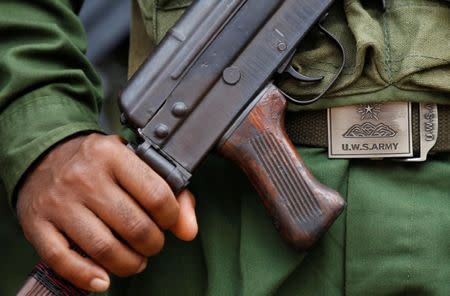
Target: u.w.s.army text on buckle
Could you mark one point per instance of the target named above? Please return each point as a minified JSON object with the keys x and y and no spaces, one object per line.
{"x":370,"y":131}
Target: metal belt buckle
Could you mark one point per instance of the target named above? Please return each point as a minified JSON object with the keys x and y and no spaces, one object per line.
{"x":380,"y":130}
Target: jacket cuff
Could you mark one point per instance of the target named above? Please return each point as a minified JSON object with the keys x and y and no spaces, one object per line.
{"x":30,"y":126}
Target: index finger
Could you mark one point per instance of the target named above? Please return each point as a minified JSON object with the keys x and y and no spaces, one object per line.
{"x":146,"y":186}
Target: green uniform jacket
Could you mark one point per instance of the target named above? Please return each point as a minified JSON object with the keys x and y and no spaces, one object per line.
{"x":393,"y":239}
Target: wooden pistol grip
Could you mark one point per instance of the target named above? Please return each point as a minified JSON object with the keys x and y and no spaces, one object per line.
{"x":301,"y":207}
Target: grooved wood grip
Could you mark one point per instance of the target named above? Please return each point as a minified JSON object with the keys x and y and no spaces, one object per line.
{"x":301,"y":207}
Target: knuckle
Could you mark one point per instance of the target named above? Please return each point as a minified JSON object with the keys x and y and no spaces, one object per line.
{"x":157,"y":196}
{"x":89,"y":142}
{"x":52,"y":256}
{"x":156,"y":203}
{"x":26,"y":234}
{"x":77,"y":174}
{"x":139,"y":230}
{"x":102,"y":249}
{"x":170,"y":217}
{"x":126,"y":270}
{"x":94,"y":146}
{"x":116,"y":139}
{"x":102,"y":150}
{"x":156,"y":245}
{"x":97,"y":145}
{"x":74,"y":173}
{"x":122,"y":272}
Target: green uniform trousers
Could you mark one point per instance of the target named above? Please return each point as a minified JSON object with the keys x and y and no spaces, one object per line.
{"x":393,"y":238}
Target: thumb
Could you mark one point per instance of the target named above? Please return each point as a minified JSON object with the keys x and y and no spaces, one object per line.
{"x":186,"y":227}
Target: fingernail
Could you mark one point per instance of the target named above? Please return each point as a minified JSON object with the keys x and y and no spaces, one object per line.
{"x":143,"y":266}
{"x":99,"y":285}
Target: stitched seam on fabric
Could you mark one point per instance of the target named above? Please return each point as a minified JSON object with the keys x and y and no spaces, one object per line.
{"x":419,"y":56}
{"x":411,"y":234}
{"x":155,"y":16}
{"x":78,"y":126}
{"x":349,"y":91}
{"x":19,"y":107}
{"x":397,"y":61}
{"x":349,"y":165}
{"x":155,"y":22}
{"x":73,"y":128}
{"x":174,"y":7}
{"x":349,"y":3}
{"x":327,"y":71}
{"x":390,"y":6}
{"x":170,"y":7}
{"x":406,"y":70}
{"x":342,"y":92}
{"x":27,"y":107}
{"x":387,"y":49}
{"x":434,"y":5}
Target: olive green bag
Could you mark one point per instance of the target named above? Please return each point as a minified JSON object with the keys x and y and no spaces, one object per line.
{"x":390,"y":55}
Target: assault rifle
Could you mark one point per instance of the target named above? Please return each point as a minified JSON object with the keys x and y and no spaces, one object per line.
{"x":209,"y":85}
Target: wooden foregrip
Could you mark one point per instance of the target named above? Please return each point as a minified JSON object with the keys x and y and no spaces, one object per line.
{"x":301,"y":207}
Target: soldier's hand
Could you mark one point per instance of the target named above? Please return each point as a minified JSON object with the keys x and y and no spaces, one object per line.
{"x":94,"y":191}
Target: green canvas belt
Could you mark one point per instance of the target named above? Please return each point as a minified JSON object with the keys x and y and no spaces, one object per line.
{"x":310,"y":128}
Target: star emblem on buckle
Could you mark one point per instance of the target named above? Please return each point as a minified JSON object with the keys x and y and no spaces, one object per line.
{"x":369,"y":111}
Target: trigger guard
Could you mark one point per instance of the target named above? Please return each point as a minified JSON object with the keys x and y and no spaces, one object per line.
{"x":298,"y":101}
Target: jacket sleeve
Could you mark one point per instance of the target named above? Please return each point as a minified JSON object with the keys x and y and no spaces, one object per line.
{"x":48,"y":90}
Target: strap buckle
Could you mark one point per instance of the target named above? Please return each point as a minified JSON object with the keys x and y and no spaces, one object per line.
{"x":428,"y":125}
